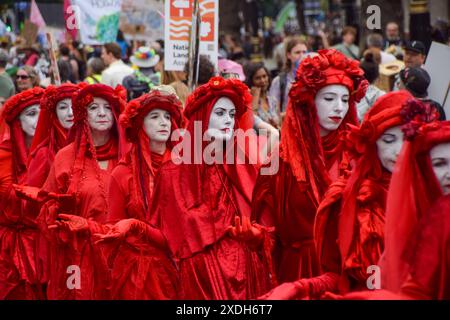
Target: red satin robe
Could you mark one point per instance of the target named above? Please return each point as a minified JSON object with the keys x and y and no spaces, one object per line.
{"x":430,"y":263}
{"x":211,"y":264}
{"x":18,"y":231}
{"x":77,"y":249}
{"x":140,"y":269}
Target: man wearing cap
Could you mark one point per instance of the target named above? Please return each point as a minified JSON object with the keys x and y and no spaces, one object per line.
{"x":145,"y":77}
{"x":414,"y":57}
{"x":416,"y":81}
{"x":117,"y":70}
{"x":6,"y":84}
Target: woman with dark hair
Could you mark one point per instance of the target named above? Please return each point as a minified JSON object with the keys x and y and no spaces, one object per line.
{"x":370,"y":64}
{"x":95,"y":67}
{"x":257,"y":78}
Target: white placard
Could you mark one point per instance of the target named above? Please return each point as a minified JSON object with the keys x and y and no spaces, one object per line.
{"x":178,"y":21}
{"x":142,"y":19}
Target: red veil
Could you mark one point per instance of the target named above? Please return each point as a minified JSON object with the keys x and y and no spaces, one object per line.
{"x":18,"y":277}
{"x":362,"y":197}
{"x":80,"y":133}
{"x":50,"y":135}
{"x":16,"y":142}
{"x":310,"y":156}
{"x":413,"y":190}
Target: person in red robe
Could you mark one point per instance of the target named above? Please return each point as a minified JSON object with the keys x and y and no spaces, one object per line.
{"x":415,"y":262}
{"x":417,"y":184}
{"x":77,"y":187}
{"x":55,"y":120}
{"x":202,"y":200}
{"x":349,"y":226}
{"x":429,"y":268}
{"x":321,"y":103}
{"x":141,"y":267}
{"x":18,"y":230}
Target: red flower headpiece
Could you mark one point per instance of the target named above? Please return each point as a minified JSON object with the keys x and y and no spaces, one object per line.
{"x":136,"y":110}
{"x":416,"y":113}
{"x":17,"y":103}
{"x":84,"y":97}
{"x":54,"y":94}
{"x":218,"y":87}
{"x":384,"y":114}
{"x":327,"y":68}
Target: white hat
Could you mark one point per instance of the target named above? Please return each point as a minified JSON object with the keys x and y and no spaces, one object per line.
{"x":144,"y":57}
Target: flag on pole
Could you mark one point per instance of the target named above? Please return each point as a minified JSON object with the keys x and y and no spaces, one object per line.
{"x":36,"y":17}
{"x":70,"y":18}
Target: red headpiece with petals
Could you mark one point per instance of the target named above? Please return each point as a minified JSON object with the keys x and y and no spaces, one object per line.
{"x":17,"y":103}
{"x":216,"y":88}
{"x":136,"y":110}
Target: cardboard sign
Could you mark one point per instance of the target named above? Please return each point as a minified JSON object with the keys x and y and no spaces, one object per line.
{"x":178,"y":14}
{"x":437,"y":65}
{"x":29,"y":32}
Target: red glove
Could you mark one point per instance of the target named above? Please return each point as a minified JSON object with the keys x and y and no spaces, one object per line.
{"x":245,"y":231}
{"x":287,"y":291}
{"x":70,"y":222}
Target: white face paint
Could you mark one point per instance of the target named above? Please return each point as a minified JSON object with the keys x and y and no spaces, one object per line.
{"x":332,"y":107}
{"x":440,"y":160}
{"x":29,"y":119}
{"x":157,"y":125}
{"x":100,"y":115}
{"x":221,"y":120}
{"x":64,"y":113}
{"x":389,"y":145}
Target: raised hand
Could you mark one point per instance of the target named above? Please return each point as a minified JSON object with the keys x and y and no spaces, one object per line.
{"x":244,"y":231}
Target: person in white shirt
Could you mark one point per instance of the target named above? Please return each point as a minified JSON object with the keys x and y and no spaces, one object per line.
{"x":117,"y":70}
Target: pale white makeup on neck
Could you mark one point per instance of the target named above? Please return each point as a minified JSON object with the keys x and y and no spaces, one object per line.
{"x":221,"y":120}
{"x":389,"y":145}
{"x":29,"y":119}
{"x":332,"y":107}
{"x":100,"y":115}
{"x":440,"y":160}
{"x":64,"y":113}
{"x":157,"y":125}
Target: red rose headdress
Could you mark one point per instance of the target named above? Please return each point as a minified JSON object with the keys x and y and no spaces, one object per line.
{"x":136,"y":110}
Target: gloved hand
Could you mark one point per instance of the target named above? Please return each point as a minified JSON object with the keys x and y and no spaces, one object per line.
{"x":70,"y":222}
{"x":121,"y":229}
{"x":287,"y":291}
{"x":245,"y":231}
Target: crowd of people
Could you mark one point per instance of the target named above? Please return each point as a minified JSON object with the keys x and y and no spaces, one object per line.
{"x":121,"y":183}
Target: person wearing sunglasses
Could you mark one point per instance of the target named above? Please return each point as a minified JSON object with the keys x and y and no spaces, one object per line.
{"x":26,"y":78}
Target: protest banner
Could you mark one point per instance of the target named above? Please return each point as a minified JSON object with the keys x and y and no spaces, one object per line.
{"x":99,"y":20}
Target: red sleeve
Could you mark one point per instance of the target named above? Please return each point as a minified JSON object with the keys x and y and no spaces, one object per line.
{"x":5,"y":174}
{"x":38,"y":169}
{"x":118,"y":191}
